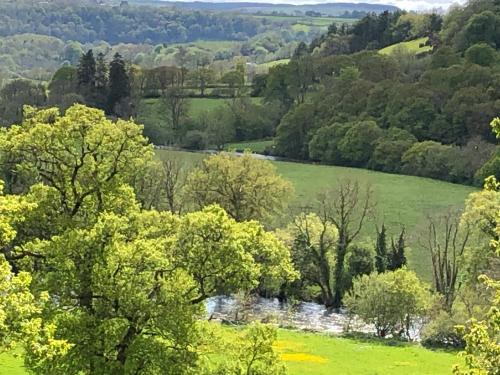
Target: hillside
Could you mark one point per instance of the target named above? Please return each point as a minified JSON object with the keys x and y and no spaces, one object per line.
{"x":401,"y":200}
{"x":415,"y":46}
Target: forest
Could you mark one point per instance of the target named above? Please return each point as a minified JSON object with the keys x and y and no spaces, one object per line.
{"x":191,"y":192}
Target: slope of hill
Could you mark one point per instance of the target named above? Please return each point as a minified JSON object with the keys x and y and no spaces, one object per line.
{"x":416,"y":46}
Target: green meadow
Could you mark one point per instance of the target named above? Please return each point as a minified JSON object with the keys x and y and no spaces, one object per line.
{"x":253,"y":146}
{"x":412,"y":46}
{"x":400,"y":200}
{"x":318,"y":354}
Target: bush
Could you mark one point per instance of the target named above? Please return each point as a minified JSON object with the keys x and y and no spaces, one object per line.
{"x":195,"y":140}
{"x":391,"y":301}
{"x":441,"y":332}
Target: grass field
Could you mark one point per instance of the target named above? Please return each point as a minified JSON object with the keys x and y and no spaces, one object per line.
{"x":255,"y":146}
{"x":151,"y":108}
{"x":316,"y":354}
{"x":412,"y":45}
{"x":401,"y":200}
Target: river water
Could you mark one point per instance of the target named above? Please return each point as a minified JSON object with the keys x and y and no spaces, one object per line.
{"x":304,"y":315}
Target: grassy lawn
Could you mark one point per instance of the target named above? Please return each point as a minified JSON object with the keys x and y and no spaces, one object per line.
{"x":316,"y":354}
{"x":11,"y":364}
{"x":309,"y":353}
{"x":401,"y":200}
{"x":412,"y":45}
{"x":254,"y":146}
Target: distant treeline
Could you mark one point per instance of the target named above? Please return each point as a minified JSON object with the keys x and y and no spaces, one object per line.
{"x":122,"y":24}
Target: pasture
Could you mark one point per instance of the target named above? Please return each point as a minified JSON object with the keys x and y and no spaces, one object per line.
{"x":412,"y":46}
{"x":400,"y":200}
{"x":317,"y":354}
{"x":253,"y":146}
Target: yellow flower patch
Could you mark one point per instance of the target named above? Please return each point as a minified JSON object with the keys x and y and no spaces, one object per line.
{"x":303,"y":357}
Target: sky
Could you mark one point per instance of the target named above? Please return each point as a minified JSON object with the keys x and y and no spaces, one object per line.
{"x":417,"y":5}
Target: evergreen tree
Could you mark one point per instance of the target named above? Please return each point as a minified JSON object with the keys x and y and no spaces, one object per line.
{"x":397,"y":257}
{"x":86,"y":74}
{"x":101,"y":82}
{"x":119,"y":84}
{"x":381,"y":257}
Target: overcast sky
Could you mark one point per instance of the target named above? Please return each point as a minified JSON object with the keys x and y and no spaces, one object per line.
{"x":403,"y":4}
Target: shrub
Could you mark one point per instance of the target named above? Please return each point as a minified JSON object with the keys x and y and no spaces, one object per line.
{"x":391,"y":301}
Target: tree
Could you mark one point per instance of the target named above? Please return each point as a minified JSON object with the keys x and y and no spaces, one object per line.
{"x":119,"y":83}
{"x":482,"y":350}
{"x":390,"y":148}
{"x":252,"y":353}
{"x":359,"y":142}
{"x":80,"y":157}
{"x":381,"y":256}
{"x":247,"y":188}
{"x":446,"y":242}
{"x":101,"y":82}
{"x":391,"y":301}
{"x":313,"y":240}
{"x":346,"y":207}
{"x":481,"y":54}
{"x":201,"y":77}
{"x":397,"y":257}
{"x":16,"y":94}
{"x":176,"y":105}
{"x":21,"y":310}
{"x":86,"y":73}
{"x":127,"y":284}
{"x":428,"y":158}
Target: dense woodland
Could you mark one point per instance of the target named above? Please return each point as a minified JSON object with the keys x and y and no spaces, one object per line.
{"x":108,"y":253}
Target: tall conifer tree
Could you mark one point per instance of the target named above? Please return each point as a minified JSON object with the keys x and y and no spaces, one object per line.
{"x":119,"y":83}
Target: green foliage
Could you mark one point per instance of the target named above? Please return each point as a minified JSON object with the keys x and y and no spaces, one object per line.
{"x":313,"y":240}
{"x":127,"y":284}
{"x":247,"y":188}
{"x":391,"y":301}
{"x":359,"y":141}
{"x":427,"y":158}
{"x":481,"y":54}
{"x":252,"y":352}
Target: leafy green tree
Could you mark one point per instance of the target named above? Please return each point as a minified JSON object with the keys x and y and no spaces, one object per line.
{"x":324,"y":145}
{"x":80,"y":157}
{"x":252,"y":353}
{"x":16,"y":94}
{"x":428,"y":158}
{"x":293,"y":131}
{"x":482,"y":351}
{"x":390,"y":148}
{"x":247,"y":188}
{"x":313,"y":240}
{"x":481,"y":54}
{"x":359,"y":142}
{"x":391,"y":301}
